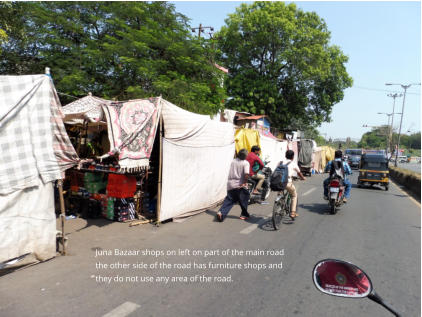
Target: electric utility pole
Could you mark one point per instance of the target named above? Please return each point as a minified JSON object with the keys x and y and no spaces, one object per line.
{"x":394,"y":96}
{"x":201,"y":29}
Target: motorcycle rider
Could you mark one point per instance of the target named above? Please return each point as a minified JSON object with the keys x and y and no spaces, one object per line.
{"x":345,"y":170}
{"x":254,"y":160}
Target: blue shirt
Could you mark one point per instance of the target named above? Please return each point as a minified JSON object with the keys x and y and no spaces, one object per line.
{"x":346,"y":167}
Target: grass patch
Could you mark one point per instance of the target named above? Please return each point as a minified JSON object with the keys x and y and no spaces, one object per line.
{"x":409,"y":179}
{"x":405,"y":172}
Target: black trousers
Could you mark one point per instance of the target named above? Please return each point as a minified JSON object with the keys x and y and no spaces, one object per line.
{"x":240,"y":195}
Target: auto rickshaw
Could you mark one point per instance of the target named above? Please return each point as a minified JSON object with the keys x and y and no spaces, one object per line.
{"x":373,"y":170}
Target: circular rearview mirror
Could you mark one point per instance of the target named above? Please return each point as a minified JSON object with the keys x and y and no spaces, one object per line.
{"x":340,"y":278}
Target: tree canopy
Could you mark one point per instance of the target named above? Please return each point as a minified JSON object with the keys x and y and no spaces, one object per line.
{"x":377,"y":139}
{"x":116,"y":50}
{"x":281,"y":63}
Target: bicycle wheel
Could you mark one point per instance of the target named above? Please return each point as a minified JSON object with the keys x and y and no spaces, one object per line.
{"x":277,"y":212}
{"x":288,"y":205}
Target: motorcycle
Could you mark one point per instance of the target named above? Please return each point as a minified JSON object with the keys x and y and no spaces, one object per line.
{"x":344,"y":279}
{"x":265,"y":193}
{"x":335,"y":194}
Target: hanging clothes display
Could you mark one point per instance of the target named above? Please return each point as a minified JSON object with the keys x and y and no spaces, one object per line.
{"x":131,"y":130}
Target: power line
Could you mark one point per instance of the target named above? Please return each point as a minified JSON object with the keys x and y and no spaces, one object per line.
{"x":384,"y":90}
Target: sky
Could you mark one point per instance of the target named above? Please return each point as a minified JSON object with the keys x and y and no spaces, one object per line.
{"x":383,"y":42}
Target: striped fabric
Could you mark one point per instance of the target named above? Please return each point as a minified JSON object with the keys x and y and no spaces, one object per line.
{"x":27,"y":146}
{"x":63,"y":149}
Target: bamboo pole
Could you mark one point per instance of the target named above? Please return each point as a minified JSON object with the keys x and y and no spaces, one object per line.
{"x":62,"y":214}
{"x":160,"y":171}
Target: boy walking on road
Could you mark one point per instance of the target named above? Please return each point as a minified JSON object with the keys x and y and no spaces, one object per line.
{"x":237,"y":187}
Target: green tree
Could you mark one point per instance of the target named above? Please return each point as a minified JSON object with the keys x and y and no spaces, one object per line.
{"x":118,"y":50}
{"x":16,"y":51}
{"x":375,"y":139}
{"x":415,"y":141}
{"x":281,"y":64}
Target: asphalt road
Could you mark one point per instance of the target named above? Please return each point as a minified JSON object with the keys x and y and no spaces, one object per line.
{"x":377,"y":230}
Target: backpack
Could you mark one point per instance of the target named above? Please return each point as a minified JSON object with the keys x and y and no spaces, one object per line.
{"x":337,"y":169}
{"x":280,"y":177}
{"x":255,"y":167}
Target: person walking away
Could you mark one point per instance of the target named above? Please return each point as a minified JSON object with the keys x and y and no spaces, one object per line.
{"x":254,"y":160}
{"x":292,"y":167}
{"x":341,"y":168}
{"x":237,"y":187}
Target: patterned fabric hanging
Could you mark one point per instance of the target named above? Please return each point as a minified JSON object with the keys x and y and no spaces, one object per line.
{"x":131,"y":130}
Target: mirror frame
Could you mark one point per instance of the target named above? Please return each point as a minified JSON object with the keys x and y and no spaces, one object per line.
{"x":370,"y":290}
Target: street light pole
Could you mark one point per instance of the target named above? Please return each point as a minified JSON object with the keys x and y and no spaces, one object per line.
{"x":394,"y":96}
{"x":405,"y":87}
{"x":401,"y":121}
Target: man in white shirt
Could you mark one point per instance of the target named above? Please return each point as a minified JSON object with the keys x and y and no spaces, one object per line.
{"x":237,"y":187}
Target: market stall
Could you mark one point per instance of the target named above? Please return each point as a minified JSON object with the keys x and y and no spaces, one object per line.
{"x":116,"y":141}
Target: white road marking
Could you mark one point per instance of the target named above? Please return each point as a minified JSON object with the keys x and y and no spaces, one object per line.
{"x":251,"y":228}
{"x":309,"y":191}
{"x":123,"y":310}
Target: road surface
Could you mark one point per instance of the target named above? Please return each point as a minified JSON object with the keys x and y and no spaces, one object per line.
{"x":377,"y":230}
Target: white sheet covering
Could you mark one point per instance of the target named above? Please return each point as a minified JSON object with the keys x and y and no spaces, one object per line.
{"x":197,"y":153}
{"x":194,"y":178}
{"x":86,"y":108}
{"x":28,"y":223}
{"x":274,"y":150}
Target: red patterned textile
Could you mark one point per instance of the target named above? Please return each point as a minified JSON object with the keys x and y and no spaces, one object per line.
{"x":121,"y":186}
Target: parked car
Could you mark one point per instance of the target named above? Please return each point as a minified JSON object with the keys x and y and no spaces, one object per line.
{"x":354,"y":161}
{"x":402,"y":159}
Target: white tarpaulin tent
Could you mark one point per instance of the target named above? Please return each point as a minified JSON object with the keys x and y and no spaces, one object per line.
{"x":197,"y":153}
{"x":272,"y":150}
{"x":88,"y":108}
{"x":35,"y":152}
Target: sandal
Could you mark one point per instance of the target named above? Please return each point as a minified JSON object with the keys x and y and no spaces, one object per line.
{"x":293,"y":215}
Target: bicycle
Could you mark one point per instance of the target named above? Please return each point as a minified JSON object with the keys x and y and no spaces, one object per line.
{"x":282,"y":207}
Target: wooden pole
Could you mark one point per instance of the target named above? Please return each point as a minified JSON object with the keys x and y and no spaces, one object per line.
{"x":62,"y":214}
{"x":160,"y":170}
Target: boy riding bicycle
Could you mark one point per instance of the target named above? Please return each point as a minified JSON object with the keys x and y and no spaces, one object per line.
{"x":292,"y":167}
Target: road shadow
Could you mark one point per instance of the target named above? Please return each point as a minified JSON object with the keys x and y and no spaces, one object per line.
{"x":252,"y":219}
{"x":374,"y":187}
{"x":268,"y":225}
{"x":378,"y":188}
{"x":320,"y":208}
{"x":27,"y":261}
